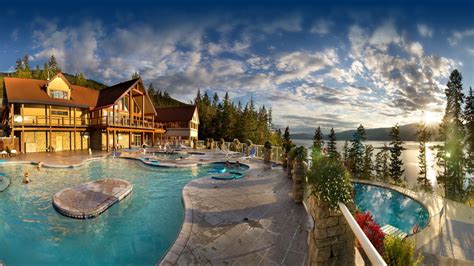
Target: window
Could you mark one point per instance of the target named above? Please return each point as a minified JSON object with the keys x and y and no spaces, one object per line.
{"x":63,"y":113}
{"x":58,"y":94}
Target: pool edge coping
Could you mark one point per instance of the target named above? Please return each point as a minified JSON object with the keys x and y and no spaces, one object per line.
{"x":176,"y":249}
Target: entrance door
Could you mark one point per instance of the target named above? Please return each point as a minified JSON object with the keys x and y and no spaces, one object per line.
{"x":137,"y":139}
{"x":59,"y":143}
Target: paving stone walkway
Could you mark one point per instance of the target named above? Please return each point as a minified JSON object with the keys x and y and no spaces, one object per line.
{"x":250,"y":221}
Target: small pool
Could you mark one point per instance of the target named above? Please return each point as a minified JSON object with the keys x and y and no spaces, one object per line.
{"x":136,"y":231}
{"x":390,"y":207}
{"x":222,"y":167}
{"x":170,"y":156}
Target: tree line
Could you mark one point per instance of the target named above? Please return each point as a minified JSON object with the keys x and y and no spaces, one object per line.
{"x":225,"y":119}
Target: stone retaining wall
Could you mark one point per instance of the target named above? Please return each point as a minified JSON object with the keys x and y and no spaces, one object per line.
{"x":331,"y":241}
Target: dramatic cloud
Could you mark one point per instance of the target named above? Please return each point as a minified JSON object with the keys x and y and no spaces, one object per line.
{"x":424,"y":30}
{"x":372,"y":75}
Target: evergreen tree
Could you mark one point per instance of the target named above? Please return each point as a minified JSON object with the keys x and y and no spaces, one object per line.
{"x":356,"y":154}
{"x":367,"y":171}
{"x":318,"y":143}
{"x":80,"y":80}
{"x":287,"y":143}
{"x":45,"y":73}
{"x":452,"y":131}
{"x":423,"y":136}
{"x":26,"y":67}
{"x":19,"y":69}
{"x":37,"y":73}
{"x":346,"y":153}
{"x":382,"y":168}
{"x":53,"y":66}
{"x":469,"y":142}
{"x":135,"y":75}
{"x":331,"y":146}
{"x":396,"y":163}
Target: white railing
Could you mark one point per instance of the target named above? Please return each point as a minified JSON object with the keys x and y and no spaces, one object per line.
{"x":368,"y":248}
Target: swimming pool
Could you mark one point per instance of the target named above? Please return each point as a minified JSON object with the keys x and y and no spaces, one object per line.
{"x":136,"y":231}
{"x":390,"y":207}
{"x":170,"y":156}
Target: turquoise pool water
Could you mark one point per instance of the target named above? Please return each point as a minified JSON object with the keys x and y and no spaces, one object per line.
{"x":136,"y":231}
{"x":390,"y":207}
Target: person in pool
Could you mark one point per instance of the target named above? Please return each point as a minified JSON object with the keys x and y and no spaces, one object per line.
{"x":26,"y":178}
{"x":227,"y":164}
{"x":237,"y":164}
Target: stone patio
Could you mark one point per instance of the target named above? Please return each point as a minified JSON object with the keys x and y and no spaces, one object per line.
{"x":250,"y":221}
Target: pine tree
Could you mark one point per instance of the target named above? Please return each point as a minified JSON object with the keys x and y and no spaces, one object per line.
{"x":26,"y":67}
{"x":396,"y":163}
{"x":331,"y":146}
{"x":356,"y":154}
{"x":135,"y":75}
{"x":19,"y":69}
{"x":367,"y":171}
{"x":226,"y":120}
{"x":53,"y":66}
{"x":287,"y":143}
{"x":80,"y":80}
{"x":469,"y":122}
{"x":346,"y":153}
{"x":452,"y":131}
{"x":382,"y":165}
{"x":37,"y":72}
{"x":423,"y":136}
{"x":318,"y":143}
{"x":45,"y":73}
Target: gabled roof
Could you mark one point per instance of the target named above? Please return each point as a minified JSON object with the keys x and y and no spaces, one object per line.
{"x":24,"y":90}
{"x":175,"y":114}
{"x":110,"y":95}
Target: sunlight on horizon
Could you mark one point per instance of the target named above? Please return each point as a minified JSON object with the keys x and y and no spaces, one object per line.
{"x":432,"y":117}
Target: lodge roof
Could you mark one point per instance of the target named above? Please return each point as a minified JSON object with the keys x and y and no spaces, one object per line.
{"x":26,"y":90}
{"x":175,"y":114}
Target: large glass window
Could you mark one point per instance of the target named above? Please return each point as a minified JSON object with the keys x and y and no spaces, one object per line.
{"x":58,"y":94}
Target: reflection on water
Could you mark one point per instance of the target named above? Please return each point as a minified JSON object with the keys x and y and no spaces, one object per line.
{"x":389,"y":207}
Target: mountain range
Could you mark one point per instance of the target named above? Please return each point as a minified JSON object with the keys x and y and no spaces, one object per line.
{"x":407,"y":133}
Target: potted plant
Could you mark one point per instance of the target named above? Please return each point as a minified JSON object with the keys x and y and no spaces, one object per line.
{"x":299,"y":157}
{"x":235,"y":145}
{"x":267,"y":155}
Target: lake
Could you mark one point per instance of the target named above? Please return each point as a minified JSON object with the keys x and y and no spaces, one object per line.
{"x":409,"y":157}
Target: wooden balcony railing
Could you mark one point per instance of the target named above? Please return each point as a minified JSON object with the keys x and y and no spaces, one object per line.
{"x":124,"y":121}
{"x":55,"y":121}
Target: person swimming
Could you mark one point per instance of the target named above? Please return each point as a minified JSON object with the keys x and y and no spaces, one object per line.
{"x":26,"y":178}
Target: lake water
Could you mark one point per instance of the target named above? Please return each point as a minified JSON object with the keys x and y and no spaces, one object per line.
{"x":409,"y":157}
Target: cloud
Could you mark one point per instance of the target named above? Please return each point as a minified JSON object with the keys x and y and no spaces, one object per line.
{"x":424,"y":30}
{"x":290,"y":23}
{"x":321,"y":27}
{"x":458,"y":36}
{"x":298,"y":65}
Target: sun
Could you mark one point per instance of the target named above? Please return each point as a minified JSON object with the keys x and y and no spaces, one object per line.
{"x":431,"y":117}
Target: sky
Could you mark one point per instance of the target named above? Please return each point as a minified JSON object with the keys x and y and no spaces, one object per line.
{"x":328,"y":63}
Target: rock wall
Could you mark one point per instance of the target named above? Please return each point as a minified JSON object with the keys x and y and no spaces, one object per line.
{"x":331,"y":241}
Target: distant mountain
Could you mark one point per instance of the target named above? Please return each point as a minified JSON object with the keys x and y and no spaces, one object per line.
{"x":407,"y":133}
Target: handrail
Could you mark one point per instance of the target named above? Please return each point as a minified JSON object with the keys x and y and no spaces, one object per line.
{"x":369,"y":249}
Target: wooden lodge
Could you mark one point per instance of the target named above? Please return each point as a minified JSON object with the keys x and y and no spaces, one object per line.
{"x":54,"y":115}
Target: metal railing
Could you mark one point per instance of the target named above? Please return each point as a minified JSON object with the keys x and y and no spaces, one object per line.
{"x":367,"y":246}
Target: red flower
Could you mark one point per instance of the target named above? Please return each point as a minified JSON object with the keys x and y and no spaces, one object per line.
{"x":371,"y":229}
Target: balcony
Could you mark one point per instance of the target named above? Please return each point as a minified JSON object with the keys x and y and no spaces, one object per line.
{"x":124,"y":121}
{"x":54,"y":121}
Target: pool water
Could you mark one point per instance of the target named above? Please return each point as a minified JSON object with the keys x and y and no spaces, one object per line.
{"x":390,"y":207}
{"x":170,"y":156}
{"x":136,"y":231}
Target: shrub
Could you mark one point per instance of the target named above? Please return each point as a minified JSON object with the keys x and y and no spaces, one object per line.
{"x":400,"y":252}
{"x":371,"y":229}
{"x":300,"y":154}
{"x":330,"y":182}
